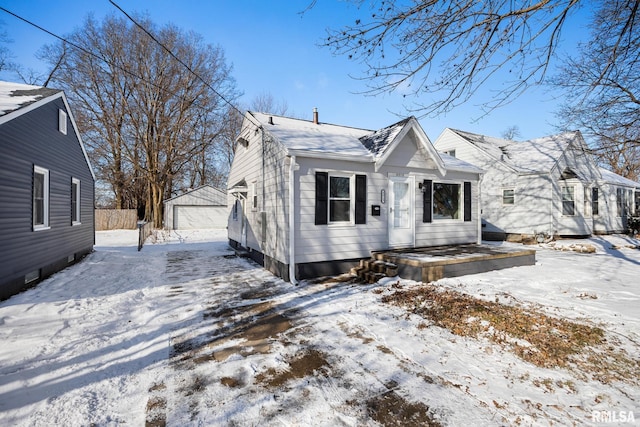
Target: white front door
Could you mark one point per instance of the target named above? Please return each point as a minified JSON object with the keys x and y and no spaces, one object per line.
{"x":401,"y":216}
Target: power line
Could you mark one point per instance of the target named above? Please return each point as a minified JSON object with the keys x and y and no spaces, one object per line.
{"x":174,"y":56}
{"x":115,"y":65}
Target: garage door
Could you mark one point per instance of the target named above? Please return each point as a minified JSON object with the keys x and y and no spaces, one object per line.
{"x":190,"y":217}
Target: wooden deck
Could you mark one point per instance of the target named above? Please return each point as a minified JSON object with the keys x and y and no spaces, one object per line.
{"x":434,"y":263}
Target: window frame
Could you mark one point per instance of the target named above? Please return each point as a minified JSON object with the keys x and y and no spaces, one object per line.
{"x":350,"y":199}
{"x":62,"y":121}
{"x":512,"y":197}
{"x":76,"y":219}
{"x":38,"y":170}
{"x":460,"y":207}
{"x":595,"y":201}
{"x":572,"y":200}
{"x":254,"y":196}
{"x":619,"y":202}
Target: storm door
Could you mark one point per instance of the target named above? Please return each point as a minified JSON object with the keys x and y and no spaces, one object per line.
{"x":401,"y":215}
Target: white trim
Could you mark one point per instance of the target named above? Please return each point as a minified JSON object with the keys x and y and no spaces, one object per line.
{"x":45,"y":196}
{"x":78,"y":221}
{"x":411,"y":192}
{"x":460,"y":185}
{"x":513,"y":189}
{"x":292,"y":222}
{"x":351,"y":178}
{"x":62,"y":121}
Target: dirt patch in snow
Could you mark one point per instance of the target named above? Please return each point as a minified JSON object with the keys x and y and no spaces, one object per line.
{"x":391,"y":409}
{"x":309,"y":363}
{"x":535,"y":337}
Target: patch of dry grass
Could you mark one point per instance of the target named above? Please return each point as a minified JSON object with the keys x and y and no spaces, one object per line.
{"x":535,"y":337}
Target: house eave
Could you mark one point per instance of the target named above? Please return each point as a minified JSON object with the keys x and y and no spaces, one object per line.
{"x":365,"y":158}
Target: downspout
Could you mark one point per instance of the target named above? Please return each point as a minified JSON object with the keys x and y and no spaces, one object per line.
{"x":292,"y":223}
{"x":480,"y":177}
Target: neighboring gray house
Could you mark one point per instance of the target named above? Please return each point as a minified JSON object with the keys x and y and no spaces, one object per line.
{"x":310,"y":199}
{"x":203,"y":207}
{"x":549,"y":185}
{"x":46,"y":187}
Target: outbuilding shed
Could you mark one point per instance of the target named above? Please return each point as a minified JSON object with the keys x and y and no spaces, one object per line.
{"x":204,"y":207}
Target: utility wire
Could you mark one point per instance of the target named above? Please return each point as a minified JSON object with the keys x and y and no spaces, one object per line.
{"x":177,"y":58}
{"x":113,"y":64}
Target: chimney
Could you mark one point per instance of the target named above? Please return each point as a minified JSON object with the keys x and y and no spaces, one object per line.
{"x":315,"y":115}
{"x":270,"y":120}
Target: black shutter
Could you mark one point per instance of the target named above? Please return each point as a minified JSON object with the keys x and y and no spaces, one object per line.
{"x":322,"y":195}
{"x":427,"y":210}
{"x":361,"y":199}
{"x":467,"y":201}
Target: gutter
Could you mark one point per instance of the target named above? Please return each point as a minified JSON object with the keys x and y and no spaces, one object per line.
{"x":292,"y":237}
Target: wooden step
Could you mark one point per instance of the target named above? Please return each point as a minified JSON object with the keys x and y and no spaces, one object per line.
{"x":372,"y":270}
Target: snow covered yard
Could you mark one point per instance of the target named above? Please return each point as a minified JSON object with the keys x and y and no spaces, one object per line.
{"x":185,"y":333}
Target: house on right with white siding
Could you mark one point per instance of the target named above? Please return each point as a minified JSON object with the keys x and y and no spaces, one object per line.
{"x":550,"y":186}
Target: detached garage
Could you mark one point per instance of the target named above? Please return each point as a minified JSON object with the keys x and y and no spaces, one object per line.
{"x":204,"y":207}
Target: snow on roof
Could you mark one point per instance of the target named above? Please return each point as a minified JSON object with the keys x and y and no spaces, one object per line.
{"x":453,"y":163}
{"x":614,"y":178}
{"x":14,"y":96}
{"x":536,"y":155}
{"x":378,"y":141}
{"x":307,"y":136}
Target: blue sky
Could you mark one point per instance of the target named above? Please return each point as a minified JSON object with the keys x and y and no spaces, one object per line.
{"x":274,"y":49}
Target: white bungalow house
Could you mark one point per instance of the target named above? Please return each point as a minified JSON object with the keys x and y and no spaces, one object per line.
{"x":310,"y":199}
{"x":550,"y":185}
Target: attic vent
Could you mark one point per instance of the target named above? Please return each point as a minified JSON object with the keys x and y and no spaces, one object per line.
{"x":270,"y":121}
{"x":62,"y":121}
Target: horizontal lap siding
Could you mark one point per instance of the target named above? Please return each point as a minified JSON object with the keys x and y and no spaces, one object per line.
{"x":264,"y":162}
{"x":334,"y":242}
{"x":33,"y":138}
{"x":447,"y":231}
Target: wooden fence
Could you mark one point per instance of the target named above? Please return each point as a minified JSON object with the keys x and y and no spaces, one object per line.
{"x":116,"y":219}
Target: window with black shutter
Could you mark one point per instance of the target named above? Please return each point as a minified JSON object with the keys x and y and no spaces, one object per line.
{"x":322,"y":190}
{"x":427,"y":190}
{"x":467,"y":201}
{"x":361,"y":199}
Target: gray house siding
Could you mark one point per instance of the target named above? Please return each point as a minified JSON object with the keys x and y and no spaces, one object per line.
{"x":28,"y":140}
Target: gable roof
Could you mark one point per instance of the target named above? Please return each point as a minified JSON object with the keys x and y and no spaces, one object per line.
{"x":207,"y":192}
{"x":614,"y":178}
{"x":17,"y":99}
{"x":304,"y":137}
{"x":322,"y":140}
{"x":532,"y":156}
{"x":14,"y":96}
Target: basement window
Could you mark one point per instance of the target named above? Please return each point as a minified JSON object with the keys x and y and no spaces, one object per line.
{"x":31,"y":276}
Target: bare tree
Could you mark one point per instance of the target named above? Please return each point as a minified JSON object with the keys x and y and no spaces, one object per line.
{"x":6,"y":64}
{"x":511,"y":133}
{"x":603,"y":88}
{"x":144,"y":116}
{"x":446,"y":50}
{"x":266,"y":103}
